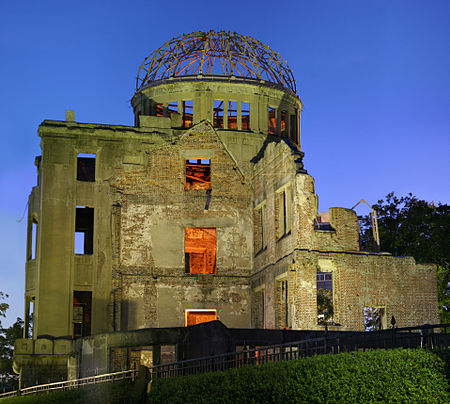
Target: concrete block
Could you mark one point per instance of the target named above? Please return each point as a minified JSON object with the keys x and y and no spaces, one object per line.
{"x":43,"y":346}
{"x":62,"y":347}
{"x":23,"y":346}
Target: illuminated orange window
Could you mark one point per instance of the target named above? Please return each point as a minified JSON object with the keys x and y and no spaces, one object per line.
{"x":159,"y":109}
{"x":198,"y":174}
{"x":192,"y":317}
{"x":200,"y":250}
{"x":272,"y":121}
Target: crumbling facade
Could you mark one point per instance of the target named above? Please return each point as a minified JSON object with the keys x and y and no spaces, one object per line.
{"x":202,"y":210}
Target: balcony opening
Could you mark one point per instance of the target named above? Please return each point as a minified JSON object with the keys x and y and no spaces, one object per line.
{"x":325,"y":309}
{"x":200,"y":250}
{"x":198,"y":174}
{"x":218,"y":114}
{"x":272,"y":121}
{"x":245,"y":115}
{"x":232,"y":115}
{"x":81,"y":315}
{"x":193,"y":317}
{"x":84,"y":230}
{"x":86,"y":167}
{"x":188,"y":113}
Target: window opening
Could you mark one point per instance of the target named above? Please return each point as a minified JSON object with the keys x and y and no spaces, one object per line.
{"x":200,"y":250}
{"x":198,"y":174}
{"x":193,"y":317}
{"x":272,"y":121}
{"x":245,"y":115}
{"x":282,"y":304}
{"x":325,"y":309}
{"x":374,"y":318}
{"x":260,"y":236}
{"x":293,"y":132}
{"x":283,"y":119}
{"x":28,"y":323}
{"x":81,"y":315}
{"x":283,"y":212}
{"x":188,"y":113}
{"x":172,"y":107}
{"x":33,"y":242}
{"x":86,"y":167}
{"x":218,"y":114}
{"x":159,"y":110}
{"x":232,"y":115}
{"x":84,"y":230}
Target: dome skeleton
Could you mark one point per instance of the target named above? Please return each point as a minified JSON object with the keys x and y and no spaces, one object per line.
{"x":197,"y":54}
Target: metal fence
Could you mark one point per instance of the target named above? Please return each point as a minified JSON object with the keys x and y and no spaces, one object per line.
{"x":426,"y":336}
{"x":431,"y":336}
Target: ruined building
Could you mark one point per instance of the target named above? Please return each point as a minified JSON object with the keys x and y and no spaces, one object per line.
{"x":202,"y":210}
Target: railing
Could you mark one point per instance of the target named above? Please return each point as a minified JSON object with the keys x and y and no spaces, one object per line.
{"x":73,"y":384}
{"x":408,"y":337}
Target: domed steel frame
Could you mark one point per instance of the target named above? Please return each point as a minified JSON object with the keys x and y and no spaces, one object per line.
{"x":197,"y":53}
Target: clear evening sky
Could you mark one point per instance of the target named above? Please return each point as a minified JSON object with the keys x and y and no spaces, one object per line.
{"x":373,"y":76}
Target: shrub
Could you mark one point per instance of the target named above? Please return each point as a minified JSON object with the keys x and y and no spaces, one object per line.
{"x":394,"y":376}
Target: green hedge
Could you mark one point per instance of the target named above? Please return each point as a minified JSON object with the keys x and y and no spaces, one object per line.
{"x":394,"y":376}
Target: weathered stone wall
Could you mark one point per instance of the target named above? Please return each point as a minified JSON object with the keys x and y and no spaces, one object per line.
{"x":155,"y":209}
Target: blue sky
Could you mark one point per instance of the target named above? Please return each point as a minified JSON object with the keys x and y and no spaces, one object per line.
{"x":374,"y":78}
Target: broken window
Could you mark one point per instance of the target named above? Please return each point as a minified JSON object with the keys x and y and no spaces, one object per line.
{"x":325,"y":298}
{"x":283,"y":122}
{"x":198,"y":174}
{"x":293,"y":131}
{"x":188,"y":113}
{"x":245,"y":115}
{"x":282,"y":304}
{"x":272,"y":121}
{"x":193,"y":317}
{"x":172,"y":107}
{"x":374,"y":318}
{"x":81,"y":315}
{"x":232,"y":115}
{"x":86,"y":167}
{"x":283,"y":205}
{"x":159,"y":110}
{"x":218,"y":114}
{"x":200,"y":250}
{"x":84,"y":230}
{"x":259,"y":230}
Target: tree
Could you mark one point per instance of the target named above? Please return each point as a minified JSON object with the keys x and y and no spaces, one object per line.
{"x":3,"y":306}
{"x":324,"y":306}
{"x":8,"y":379}
{"x":410,"y":226}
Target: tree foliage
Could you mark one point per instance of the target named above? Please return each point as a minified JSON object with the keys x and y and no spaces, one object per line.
{"x":412,"y":227}
{"x":324,"y":306}
{"x":8,"y":379}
